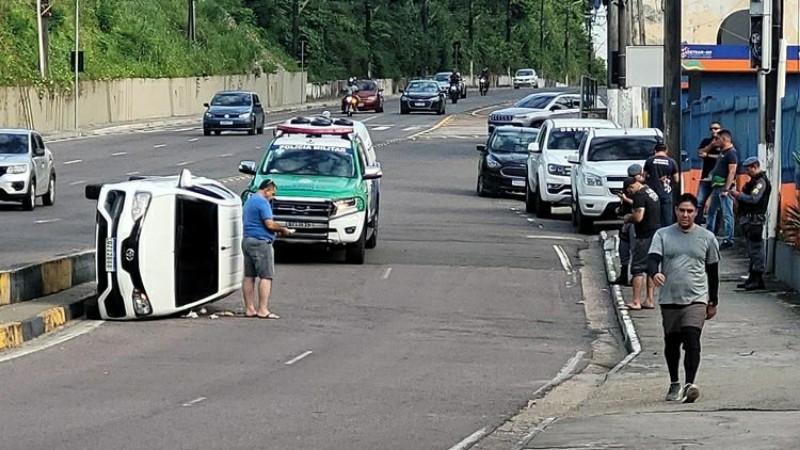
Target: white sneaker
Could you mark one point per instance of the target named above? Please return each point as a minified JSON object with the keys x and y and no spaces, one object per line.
{"x":690,"y":393}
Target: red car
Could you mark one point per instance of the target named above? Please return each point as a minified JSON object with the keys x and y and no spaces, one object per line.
{"x":370,"y":96}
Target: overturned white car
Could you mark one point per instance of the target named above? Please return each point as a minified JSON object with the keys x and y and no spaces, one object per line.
{"x":165,"y":244}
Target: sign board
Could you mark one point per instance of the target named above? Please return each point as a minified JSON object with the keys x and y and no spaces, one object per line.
{"x":644,"y":66}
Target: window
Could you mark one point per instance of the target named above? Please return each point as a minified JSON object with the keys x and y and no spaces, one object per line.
{"x":565,"y":138}
{"x":310,"y":160}
{"x":232,"y":99}
{"x":256,"y":100}
{"x":621,"y":148}
{"x":535,"y":101}
{"x":511,"y":141}
{"x":16,"y":144}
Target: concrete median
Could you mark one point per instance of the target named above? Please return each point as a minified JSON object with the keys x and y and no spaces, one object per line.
{"x":29,"y":282}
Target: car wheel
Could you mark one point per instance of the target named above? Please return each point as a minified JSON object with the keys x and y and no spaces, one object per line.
{"x":217,"y":133}
{"x":464,"y":94}
{"x":585,"y":224}
{"x":49,"y":199}
{"x":543,"y":209}
{"x":380,"y":108}
{"x":252,"y":130}
{"x":574,"y":215}
{"x":480,"y":188}
{"x":403,"y":110}
{"x":206,"y":132}
{"x":372,"y":242}
{"x":356,"y":253}
{"x":516,"y":87}
{"x":29,"y":203}
{"x":455,"y":100}
{"x":530,"y":206}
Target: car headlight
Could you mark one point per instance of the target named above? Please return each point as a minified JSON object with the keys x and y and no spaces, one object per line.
{"x":521,"y":116}
{"x":141,"y":304}
{"x":492,"y":163}
{"x":244,"y":116}
{"x":590,"y":179}
{"x":209,"y":115}
{"x":17,"y":168}
{"x":345,"y":206}
{"x":140,"y":203}
{"x":558,"y":169}
{"x":403,"y":98}
{"x":371,"y":98}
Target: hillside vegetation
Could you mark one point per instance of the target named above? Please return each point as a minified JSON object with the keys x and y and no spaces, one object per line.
{"x":388,"y":38}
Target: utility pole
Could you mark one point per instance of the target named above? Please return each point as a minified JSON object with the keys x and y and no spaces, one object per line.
{"x":77,"y":58}
{"x":612,"y":39}
{"x":368,"y":35}
{"x":566,"y":43}
{"x":541,"y":33}
{"x":672,"y":83}
{"x":623,"y":17}
{"x":40,"y":25}
{"x":192,"y":29}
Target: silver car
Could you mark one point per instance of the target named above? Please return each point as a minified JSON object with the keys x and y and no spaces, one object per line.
{"x":534,"y":109}
{"x":27,"y":170}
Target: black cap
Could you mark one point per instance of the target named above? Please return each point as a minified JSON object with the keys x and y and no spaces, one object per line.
{"x":628,"y":182}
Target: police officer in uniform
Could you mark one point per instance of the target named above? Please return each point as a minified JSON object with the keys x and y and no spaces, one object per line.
{"x":753,"y":201}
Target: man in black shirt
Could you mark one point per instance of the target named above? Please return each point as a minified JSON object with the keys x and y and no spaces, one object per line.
{"x":646,"y":218}
{"x":723,"y":177}
{"x":660,"y":172}
{"x":626,"y":231}
{"x":709,"y":151}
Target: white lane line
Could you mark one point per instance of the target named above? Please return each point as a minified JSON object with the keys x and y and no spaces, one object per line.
{"x":75,"y":183}
{"x":370,"y":118}
{"x":225,"y":155}
{"x":386,"y":273}
{"x":298,"y":358}
{"x":193,"y":140}
{"x":470,"y":440}
{"x":119,"y":153}
{"x":132,"y":173}
{"x":47,"y":221}
{"x":554,"y":238}
{"x":159,"y":145}
{"x":381,"y":128}
{"x":179,"y":130}
{"x":562,"y":255}
{"x":80,"y":328}
{"x":195,"y":401}
{"x":416,"y":127}
{"x":184,"y":163}
{"x":74,"y":161}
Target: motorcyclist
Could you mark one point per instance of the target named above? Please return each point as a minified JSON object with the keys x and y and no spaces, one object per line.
{"x":455,"y":78}
{"x":483,"y":78}
{"x":350,"y":90}
{"x":484,"y":73}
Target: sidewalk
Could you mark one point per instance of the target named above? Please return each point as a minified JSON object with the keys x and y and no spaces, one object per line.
{"x":749,"y":379}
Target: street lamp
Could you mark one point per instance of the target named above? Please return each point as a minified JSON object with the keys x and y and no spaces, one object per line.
{"x":77,"y":58}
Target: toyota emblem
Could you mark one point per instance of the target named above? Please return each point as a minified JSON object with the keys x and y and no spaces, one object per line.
{"x":130,"y":254}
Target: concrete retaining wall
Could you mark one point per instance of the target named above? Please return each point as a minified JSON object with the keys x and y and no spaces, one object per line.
{"x":38,"y":280}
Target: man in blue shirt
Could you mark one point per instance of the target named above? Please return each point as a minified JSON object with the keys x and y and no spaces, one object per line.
{"x":259,"y":260}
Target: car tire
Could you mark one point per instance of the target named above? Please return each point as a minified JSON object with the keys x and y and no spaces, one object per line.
{"x":464,"y":94}
{"x":530,"y":205}
{"x":29,"y":203}
{"x":574,"y":215}
{"x":356,"y":253}
{"x":372,"y":242}
{"x":516,"y":87}
{"x":585,"y":224}
{"x":441,"y":110}
{"x":49,"y":198}
{"x":379,"y":109}
{"x":480,"y":188}
{"x":206,"y":132}
{"x":217,"y":133}
{"x":403,"y":110}
{"x":252,"y":130}
{"x":543,"y":209}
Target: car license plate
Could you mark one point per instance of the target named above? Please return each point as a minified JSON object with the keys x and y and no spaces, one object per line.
{"x":111,"y":254}
{"x":305,"y":225}
{"x":419,"y":104}
{"x":519,"y":183}
{"x":360,"y":105}
{"x":226,"y":122}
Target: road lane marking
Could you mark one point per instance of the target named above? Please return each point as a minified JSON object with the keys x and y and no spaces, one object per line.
{"x":159,"y":145}
{"x":74,"y":161}
{"x":184,"y":163}
{"x":179,"y":130}
{"x":46,"y":221}
{"x":441,"y":123}
{"x":381,"y":128}
{"x":132,"y":173}
{"x":415,"y":127}
{"x":193,"y":140}
{"x":298,"y":358}
{"x":119,"y":153}
{"x":79,"y":328}
{"x":195,"y":401}
{"x":562,"y":255}
{"x":470,"y":440}
{"x":75,"y":183}
{"x":370,"y":118}
{"x":225,"y":155}
{"x":386,"y":273}
{"x":553,"y":238}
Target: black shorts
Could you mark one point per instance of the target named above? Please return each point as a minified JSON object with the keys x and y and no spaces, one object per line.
{"x":640,"y":247}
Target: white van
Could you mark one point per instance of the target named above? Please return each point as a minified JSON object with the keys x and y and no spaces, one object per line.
{"x":165,"y":245}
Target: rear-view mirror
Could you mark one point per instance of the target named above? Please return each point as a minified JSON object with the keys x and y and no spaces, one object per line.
{"x":205,"y":104}
{"x":481,"y":147}
{"x":247,"y":167}
{"x":574,"y":159}
{"x":533,"y":147}
{"x":372,"y":173}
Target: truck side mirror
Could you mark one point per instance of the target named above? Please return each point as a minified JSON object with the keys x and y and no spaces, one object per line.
{"x":247,"y":167}
{"x":533,"y":147}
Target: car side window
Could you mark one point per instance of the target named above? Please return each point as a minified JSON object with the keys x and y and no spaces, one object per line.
{"x":37,"y":142}
{"x":256,"y":100}
{"x":361,"y":157}
{"x":541,"y":137}
{"x":564,"y":103}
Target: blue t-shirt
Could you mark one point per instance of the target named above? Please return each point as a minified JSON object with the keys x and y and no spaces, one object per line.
{"x":256,"y":210}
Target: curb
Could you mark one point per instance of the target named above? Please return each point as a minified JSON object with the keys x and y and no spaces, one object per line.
{"x":14,"y":334}
{"x":632,"y":343}
{"x":36,"y":280}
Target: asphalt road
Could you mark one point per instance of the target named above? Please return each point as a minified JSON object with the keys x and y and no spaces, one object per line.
{"x":466,"y":307}
{"x":69,"y":225}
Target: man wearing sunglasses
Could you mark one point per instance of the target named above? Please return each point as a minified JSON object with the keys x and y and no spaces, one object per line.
{"x":684,"y":261}
{"x":709,"y":151}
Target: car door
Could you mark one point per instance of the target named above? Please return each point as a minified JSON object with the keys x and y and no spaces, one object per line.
{"x":258,"y":109}
{"x":534,"y":159}
{"x":40,"y":163}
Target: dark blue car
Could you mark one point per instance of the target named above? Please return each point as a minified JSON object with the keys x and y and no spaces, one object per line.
{"x":235,"y":111}
{"x":502,"y":165}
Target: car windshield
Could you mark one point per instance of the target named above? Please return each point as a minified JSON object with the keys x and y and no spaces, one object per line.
{"x":232,"y":99}
{"x":419,"y":87}
{"x":442,"y":76}
{"x":15,"y":144}
{"x":536,"y":101}
{"x":565,"y":138}
{"x":512,"y":141}
{"x":366,"y":85}
{"x":621,"y":148}
{"x":524,"y":73}
{"x":310,"y":159}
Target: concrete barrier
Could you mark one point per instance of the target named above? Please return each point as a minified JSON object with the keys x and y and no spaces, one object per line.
{"x":33,"y":281}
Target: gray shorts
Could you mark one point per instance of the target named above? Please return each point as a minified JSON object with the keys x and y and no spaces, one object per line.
{"x":639,"y":250}
{"x":673,"y":319}
{"x":259,"y":259}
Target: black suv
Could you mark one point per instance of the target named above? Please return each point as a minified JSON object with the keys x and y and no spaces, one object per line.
{"x":502,"y":166}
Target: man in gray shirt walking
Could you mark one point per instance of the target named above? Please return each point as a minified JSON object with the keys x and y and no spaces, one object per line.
{"x":684,"y":261}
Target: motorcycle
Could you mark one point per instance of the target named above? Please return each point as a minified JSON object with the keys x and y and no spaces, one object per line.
{"x":483,"y":85}
{"x":455,"y":92}
{"x":350,"y":105}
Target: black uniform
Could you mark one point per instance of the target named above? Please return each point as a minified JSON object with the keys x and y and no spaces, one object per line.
{"x":753,"y":203}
